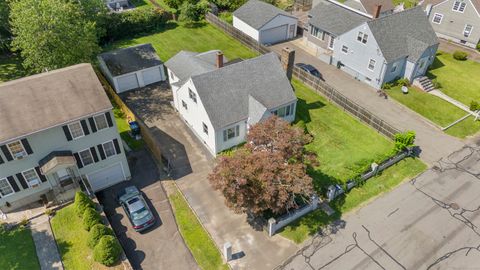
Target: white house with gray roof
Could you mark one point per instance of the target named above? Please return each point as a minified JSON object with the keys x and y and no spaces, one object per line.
{"x":265,"y":23}
{"x":219,"y":100}
{"x":374,"y":50}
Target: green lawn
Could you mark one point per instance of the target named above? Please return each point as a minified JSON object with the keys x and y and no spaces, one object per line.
{"x":407,"y":3}
{"x":124,"y":128}
{"x":300,"y":230}
{"x":436,"y":110}
{"x":10,"y":68}
{"x":196,"y":238}
{"x":141,"y":3}
{"x":457,"y":78}
{"x":17,"y":250}
{"x":202,"y":37}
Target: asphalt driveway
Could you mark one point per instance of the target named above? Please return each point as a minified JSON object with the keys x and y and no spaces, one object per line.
{"x":159,"y":247}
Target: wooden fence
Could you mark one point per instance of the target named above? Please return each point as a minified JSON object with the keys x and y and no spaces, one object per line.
{"x":311,"y":81}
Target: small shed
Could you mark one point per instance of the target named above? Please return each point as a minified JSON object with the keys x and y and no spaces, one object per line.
{"x":265,"y":23}
{"x":132,"y":67}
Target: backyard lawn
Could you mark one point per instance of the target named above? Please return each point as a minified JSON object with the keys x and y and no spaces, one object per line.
{"x":10,"y":68}
{"x":436,"y":110}
{"x":17,"y":250}
{"x":124,"y":129}
{"x":202,"y":37}
{"x":196,"y":238}
{"x":457,"y":78}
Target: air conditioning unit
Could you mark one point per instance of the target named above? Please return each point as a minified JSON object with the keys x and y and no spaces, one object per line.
{"x":20,"y":155}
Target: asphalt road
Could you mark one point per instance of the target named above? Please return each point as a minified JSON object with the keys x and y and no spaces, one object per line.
{"x":159,"y":247}
{"x":430,"y":222}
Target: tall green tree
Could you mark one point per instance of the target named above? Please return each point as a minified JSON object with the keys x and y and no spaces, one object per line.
{"x":52,"y":34}
{"x":5,"y":33}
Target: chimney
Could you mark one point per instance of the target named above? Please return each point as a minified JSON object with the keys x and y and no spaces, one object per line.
{"x":288,"y":58}
{"x":219,"y":59}
{"x":376,"y":11}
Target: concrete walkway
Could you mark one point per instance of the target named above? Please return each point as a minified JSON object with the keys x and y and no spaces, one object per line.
{"x":452,"y":101}
{"x":433,"y":142}
{"x":47,"y":251}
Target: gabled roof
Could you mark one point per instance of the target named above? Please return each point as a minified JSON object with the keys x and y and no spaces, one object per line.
{"x":186,"y":64}
{"x":475,"y":3}
{"x":334,"y":18}
{"x":45,"y":100}
{"x":226,"y":92}
{"x":403,"y":34}
{"x":127,"y":60}
{"x":257,"y":13}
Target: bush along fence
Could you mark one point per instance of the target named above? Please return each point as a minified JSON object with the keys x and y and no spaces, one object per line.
{"x":313,"y":82}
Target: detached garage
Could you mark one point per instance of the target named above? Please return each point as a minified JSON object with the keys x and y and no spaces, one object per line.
{"x":265,"y":23}
{"x":132,"y":67}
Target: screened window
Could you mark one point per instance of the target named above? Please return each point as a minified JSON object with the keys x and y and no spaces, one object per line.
{"x":231,"y":133}
{"x":371,"y":64}
{"x":437,"y":18}
{"x":31,"y":177}
{"x":109,"y":149}
{"x":76,"y":130}
{"x":17,"y":150}
{"x":192,"y":95}
{"x":101,"y":121}
{"x":459,"y":6}
{"x":468,"y":30}
{"x":86,"y":157}
{"x":5,"y":188}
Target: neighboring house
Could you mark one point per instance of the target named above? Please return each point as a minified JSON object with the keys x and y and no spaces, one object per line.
{"x":132,"y":67}
{"x":220,"y":101}
{"x":383,"y":7}
{"x":373,"y":50}
{"x":118,"y":5}
{"x":265,"y":23}
{"x":455,"y":20}
{"x":57,"y":133}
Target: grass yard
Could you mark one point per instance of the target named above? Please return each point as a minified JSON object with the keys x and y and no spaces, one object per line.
{"x":17,"y":250}
{"x":10,"y":68}
{"x":124,"y":128}
{"x":457,"y":78}
{"x":436,"y":110}
{"x":407,"y":3}
{"x":202,"y":37}
{"x":196,"y":238}
{"x":300,"y":230}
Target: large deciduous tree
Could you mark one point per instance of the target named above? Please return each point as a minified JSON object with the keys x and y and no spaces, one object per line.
{"x":269,"y":173}
{"x":52,"y":34}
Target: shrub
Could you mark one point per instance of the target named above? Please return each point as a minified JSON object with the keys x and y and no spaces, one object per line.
{"x":49,"y":212}
{"x":90,"y":218}
{"x":190,"y":12}
{"x":459,"y":55}
{"x":107,"y":251}
{"x":403,"y":82}
{"x":174,"y":3}
{"x":96,"y":233}
{"x":474,"y":106}
{"x":478,"y":47}
{"x":386,"y":86}
{"x":404,"y":140}
{"x":82,"y":202}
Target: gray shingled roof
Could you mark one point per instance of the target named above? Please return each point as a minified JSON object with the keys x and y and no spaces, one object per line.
{"x":257,"y":13}
{"x":123,"y":61}
{"x":403,"y":34}
{"x":225,"y":92}
{"x":334,"y":18}
{"x":186,"y":64}
{"x":49,"y":99}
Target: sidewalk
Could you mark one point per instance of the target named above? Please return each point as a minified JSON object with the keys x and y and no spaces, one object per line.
{"x":452,"y":101}
{"x":47,"y":251}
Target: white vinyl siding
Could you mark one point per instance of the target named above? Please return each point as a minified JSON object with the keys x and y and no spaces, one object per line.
{"x":5,"y":188}
{"x":86,"y":157}
{"x":100,"y":121}
{"x":76,"y":130}
{"x":437,"y":18}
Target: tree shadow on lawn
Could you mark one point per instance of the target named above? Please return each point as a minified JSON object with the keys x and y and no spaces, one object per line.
{"x":303,"y":110}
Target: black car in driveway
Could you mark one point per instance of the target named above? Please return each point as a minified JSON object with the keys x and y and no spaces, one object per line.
{"x":310,"y":69}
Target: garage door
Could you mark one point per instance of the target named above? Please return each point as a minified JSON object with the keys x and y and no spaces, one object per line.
{"x":106,"y":177}
{"x":274,"y":35}
{"x":151,"y":75}
{"x":127,"y":82}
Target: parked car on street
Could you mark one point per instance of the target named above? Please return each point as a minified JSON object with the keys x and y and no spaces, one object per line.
{"x":136,"y":209}
{"x":310,"y":69}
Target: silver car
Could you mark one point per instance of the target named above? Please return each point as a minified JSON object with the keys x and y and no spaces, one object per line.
{"x":137,"y":209}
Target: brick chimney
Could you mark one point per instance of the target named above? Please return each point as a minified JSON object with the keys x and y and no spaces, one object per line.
{"x":219,"y":59}
{"x":376,"y":11}
{"x":288,"y":58}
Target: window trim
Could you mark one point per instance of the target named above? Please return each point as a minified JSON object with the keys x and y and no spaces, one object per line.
{"x":363,"y":37}
{"x":459,"y":6}
{"x":374,"y":64}
{"x":8,"y":183}
{"x":470,"y":32}
{"x":95,"y":120}
{"x":71,"y":133}
{"x":26,"y":180}
{"x":225,"y":132}
{"x":81,"y":159}
{"x":441,"y":18}
{"x":105,"y":152}
{"x":21,"y":144}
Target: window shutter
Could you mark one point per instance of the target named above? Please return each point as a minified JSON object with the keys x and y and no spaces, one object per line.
{"x":84,"y":127}
{"x":109,"y":119}
{"x":67,"y":133}
{"x":224,"y":135}
{"x":117,"y":146}
{"x":1,"y":160}
{"x":94,"y":154}
{"x":7,"y":154}
{"x":42,"y":177}
{"x":79,"y":161}
{"x":12,"y":183}
{"x":93,"y":127}
{"x":22,"y":180}
{"x":27,"y":147}
{"x":100,"y":150}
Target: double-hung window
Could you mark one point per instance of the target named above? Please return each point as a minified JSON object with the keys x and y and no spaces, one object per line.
{"x":285,"y":111}
{"x":31,"y":177}
{"x":231,"y":133}
{"x":459,"y":6}
{"x":344,"y":49}
{"x":362,"y":37}
{"x":109,"y":149}
{"x":205,"y":128}
{"x":5,"y":188}
{"x":184,"y":105}
{"x":16,"y":149}
{"x":76,"y":130}
{"x":101,"y":121}
{"x":437,"y":18}
{"x":86,"y":157}
{"x":192,"y":95}
{"x":467,"y":30}
{"x":371,"y":64}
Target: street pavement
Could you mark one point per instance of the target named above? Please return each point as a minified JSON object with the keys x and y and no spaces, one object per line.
{"x":430,"y":222}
